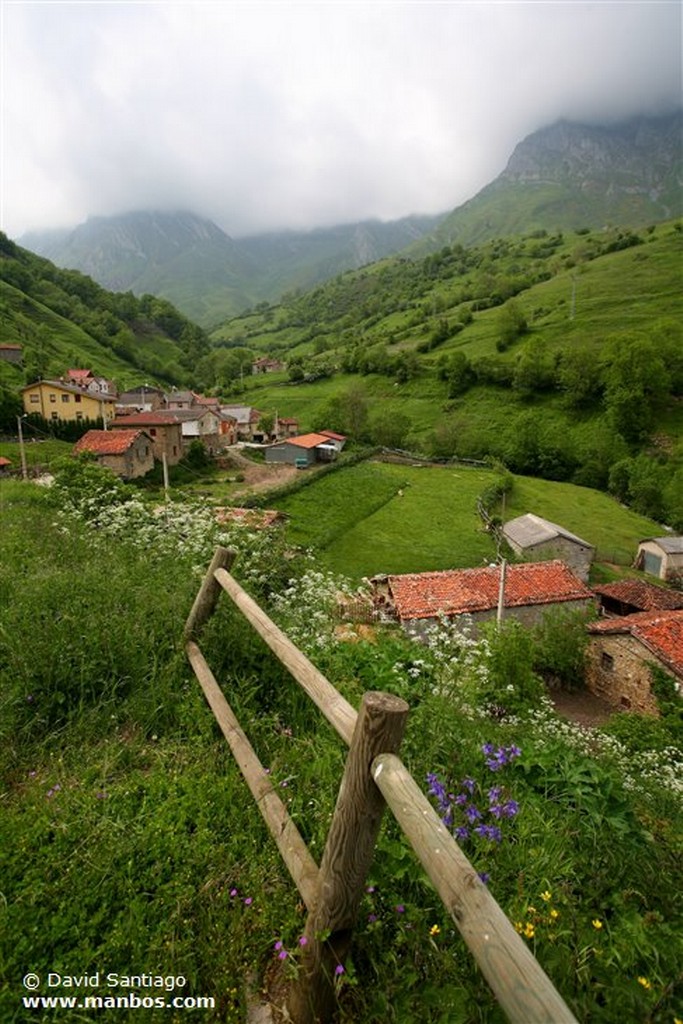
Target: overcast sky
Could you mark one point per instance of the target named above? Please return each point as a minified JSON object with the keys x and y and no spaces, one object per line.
{"x":272,"y":115}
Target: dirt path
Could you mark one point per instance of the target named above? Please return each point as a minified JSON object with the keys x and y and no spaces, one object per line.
{"x":258,"y":476}
{"x":583,"y":708}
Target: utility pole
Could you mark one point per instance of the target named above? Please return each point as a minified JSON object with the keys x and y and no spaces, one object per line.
{"x":501,"y":592}
{"x":164,"y":463}
{"x":22,"y":450}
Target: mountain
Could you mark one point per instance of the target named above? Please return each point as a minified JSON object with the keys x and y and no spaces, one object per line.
{"x":571,"y":176}
{"x":209,"y":276}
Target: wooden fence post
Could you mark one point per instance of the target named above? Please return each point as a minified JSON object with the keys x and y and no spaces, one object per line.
{"x":346,"y":860}
{"x":209,"y":592}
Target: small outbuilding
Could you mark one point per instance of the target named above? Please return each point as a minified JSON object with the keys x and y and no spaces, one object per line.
{"x":622,"y":651}
{"x":629,"y":596}
{"x":532,"y":537}
{"x":303,"y":450}
{"x":662,"y":557}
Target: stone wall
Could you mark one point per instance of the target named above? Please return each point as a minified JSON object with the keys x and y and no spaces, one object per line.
{"x":617,"y":670}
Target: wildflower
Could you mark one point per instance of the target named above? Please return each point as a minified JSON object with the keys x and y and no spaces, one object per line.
{"x":372,"y":918}
{"x":233,"y":892}
{"x":338,"y":971}
{"x":554,"y":914}
{"x":472,"y":813}
{"x":303,"y":941}
{"x":434,"y":930}
{"x":597,"y":923}
{"x":644,"y":982}
{"x":547,"y":896}
{"x":283,"y":954}
{"x":529,"y":930}
{"x":400,"y":909}
{"x":279,"y":945}
{"x":519,"y":927}
{"x":462,"y":833}
{"x":484,"y":877}
{"x":248,"y":901}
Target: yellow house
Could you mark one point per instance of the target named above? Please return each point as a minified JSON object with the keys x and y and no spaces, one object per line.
{"x":55,"y":400}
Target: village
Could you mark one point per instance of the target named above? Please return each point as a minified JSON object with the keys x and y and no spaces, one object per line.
{"x":637,"y":622}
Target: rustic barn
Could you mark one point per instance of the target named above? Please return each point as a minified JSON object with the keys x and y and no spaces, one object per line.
{"x":128,"y":453}
{"x":532,"y":537}
{"x":302,"y":451}
{"x":419,"y":600}
{"x":625,"y":597}
{"x":663,"y":557}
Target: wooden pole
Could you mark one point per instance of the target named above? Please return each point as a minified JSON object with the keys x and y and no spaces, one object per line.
{"x":346,"y":860}
{"x":336,"y":710}
{"x":209,"y":592}
{"x":519,"y":983}
{"x":22,"y":450}
{"x":294,"y":852}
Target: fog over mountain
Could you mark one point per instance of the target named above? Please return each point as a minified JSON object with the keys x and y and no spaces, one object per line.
{"x":264,"y":117}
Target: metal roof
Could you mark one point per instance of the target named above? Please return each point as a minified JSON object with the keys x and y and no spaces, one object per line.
{"x":529,"y":530}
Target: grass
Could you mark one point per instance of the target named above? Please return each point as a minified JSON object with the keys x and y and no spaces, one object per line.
{"x":131,"y":843}
{"x":386,"y":518}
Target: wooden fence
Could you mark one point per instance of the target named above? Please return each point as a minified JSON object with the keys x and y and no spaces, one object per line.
{"x":374,"y":777}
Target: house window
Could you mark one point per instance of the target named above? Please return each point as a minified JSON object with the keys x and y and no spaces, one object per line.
{"x":175,"y":449}
{"x":53,"y":398}
{"x":65,"y":398}
{"x":35,"y":399}
{"x":153,"y":431}
{"x":55,"y":415}
{"x":79,"y":415}
{"x":606,"y":661}
{"x":77,"y":398}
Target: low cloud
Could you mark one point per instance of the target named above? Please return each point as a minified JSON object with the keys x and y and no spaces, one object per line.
{"x":266,"y":116}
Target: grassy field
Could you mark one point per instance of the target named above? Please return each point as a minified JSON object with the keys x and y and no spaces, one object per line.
{"x":380,"y":517}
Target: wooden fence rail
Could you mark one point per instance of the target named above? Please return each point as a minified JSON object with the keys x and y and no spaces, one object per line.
{"x":374,"y":777}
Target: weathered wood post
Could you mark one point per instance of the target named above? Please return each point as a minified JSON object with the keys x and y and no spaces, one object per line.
{"x":346,"y":860}
{"x":209,"y":592}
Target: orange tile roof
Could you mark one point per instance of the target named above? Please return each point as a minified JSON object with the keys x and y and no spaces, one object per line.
{"x":462,"y":591}
{"x":308,"y":440}
{"x":661,"y":632}
{"x":107,"y":442}
{"x":645,"y":596}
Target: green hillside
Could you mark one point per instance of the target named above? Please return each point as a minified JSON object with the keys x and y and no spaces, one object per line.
{"x":61,"y":319}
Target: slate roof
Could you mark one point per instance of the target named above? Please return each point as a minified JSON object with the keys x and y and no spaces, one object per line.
{"x":671,"y":545}
{"x":462,"y":591}
{"x":107,"y":442}
{"x":661,"y":632}
{"x":641,"y":595}
{"x":529,"y":530}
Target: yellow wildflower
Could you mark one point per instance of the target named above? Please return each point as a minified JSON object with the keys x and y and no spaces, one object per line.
{"x":597,"y":923}
{"x":434,"y":930}
{"x":546,"y":896}
{"x":554,"y":914}
{"x":519,"y":927}
{"x":644,"y":982}
{"x":529,"y":930}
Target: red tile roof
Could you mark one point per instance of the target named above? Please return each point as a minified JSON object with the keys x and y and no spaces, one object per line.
{"x":334,"y":437}
{"x":639,"y":594}
{"x":661,"y":632}
{"x":4,"y":461}
{"x":462,"y":591}
{"x":107,"y":442}
{"x":160,"y":418}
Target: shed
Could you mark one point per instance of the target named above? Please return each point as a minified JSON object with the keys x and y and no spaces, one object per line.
{"x":626,"y":597}
{"x":622,"y":650}
{"x":530,"y":536}
{"x":303,"y":450}
{"x":663,"y":557}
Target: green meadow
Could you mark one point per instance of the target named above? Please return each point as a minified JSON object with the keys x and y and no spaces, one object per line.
{"x":379,"y":517}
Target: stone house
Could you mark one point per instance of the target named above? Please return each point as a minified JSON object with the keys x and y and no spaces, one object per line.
{"x":246,"y":417}
{"x":267,"y":365}
{"x":662,"y":557}
{"x":11,"y":354}
{"x":532,"y":537}
{"x":420,"y":600}
{"x":163,"y":429}
{"x":621,"y":651}
{"x":143,"y":398}
{"x":128,"y":453}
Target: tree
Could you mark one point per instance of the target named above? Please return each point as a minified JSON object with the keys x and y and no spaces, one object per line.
{"x":512,"y":324}
{"x":388,"y":428}
{"x":637,"y":383}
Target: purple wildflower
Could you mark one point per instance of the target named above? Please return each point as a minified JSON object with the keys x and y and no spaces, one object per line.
{"x":400,"y":909}
{"x":484,"y":877}
{"x":494,"y":794}
{"x":472,"y":814}
{"x":283,"y":954}
{"x":339,"y":970}
{"x":469,"y":785}
{"x":303,"y":941}
{"x":248,"y":901}
{"x":461,"y":799}
{"x":461,"y":832}
{"x":372,"y":918}
{"x":511,"y":808}
{"x":490,"y":832}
